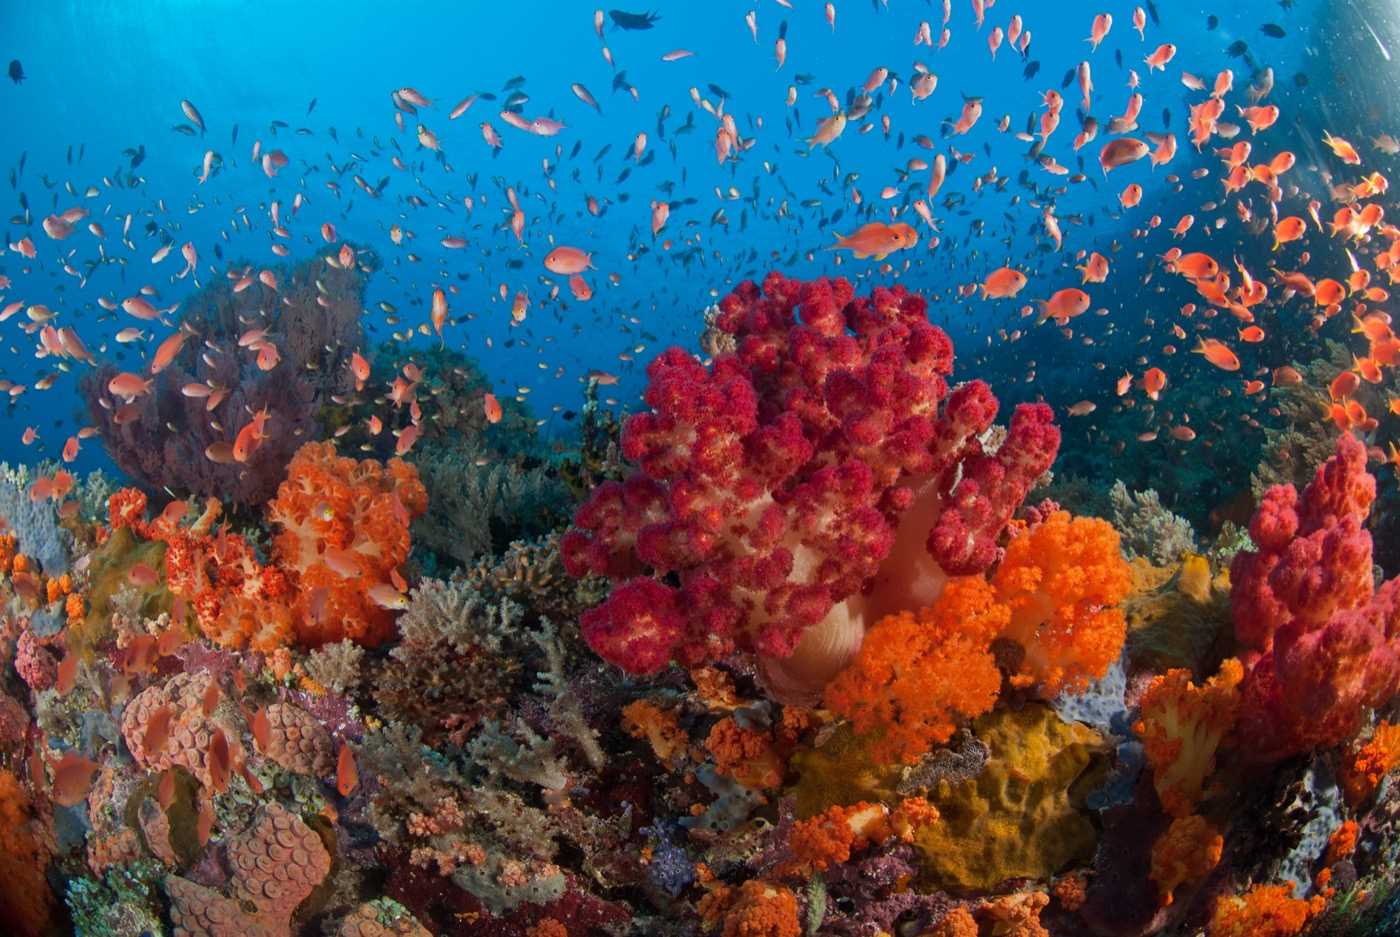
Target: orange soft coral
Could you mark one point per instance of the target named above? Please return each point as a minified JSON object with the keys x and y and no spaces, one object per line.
{"x":830,"y":837}
{"x":1365,"y":766}
{"x":1263,"y":911}
{"x":746,"y":755}
{"x":1181,"y":726}
{"x":1342,"y":843}
{"x":918,"y":675}
{"x":1186,"y":852}
{"x":1015,"y":915}
{"x":1063,"y":579}
{"x":26,"y":902}
{"x":344,"y":529}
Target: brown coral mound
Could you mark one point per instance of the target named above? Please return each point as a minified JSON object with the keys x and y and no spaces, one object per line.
{"x":275,"y":864}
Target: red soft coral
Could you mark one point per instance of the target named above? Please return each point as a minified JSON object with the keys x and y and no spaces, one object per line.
{"x":825,"y":455}
{"x":344,"y":530}
{"x":919,"y":674}
{"x":1324,"y":644}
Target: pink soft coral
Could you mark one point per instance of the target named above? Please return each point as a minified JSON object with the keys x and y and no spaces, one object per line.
{"x":1324,"y":643}
{"x":820,"y":477}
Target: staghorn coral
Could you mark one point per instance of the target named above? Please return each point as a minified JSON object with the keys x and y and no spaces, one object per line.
{"x":312,"y":320}
{"x":1323,"y":643}
{"x":343,"y":530}
{"x":1149,"y":529}
{"x":772,"y":483}
{"x":274,"y":865}
{"x":1182,"y":725}
{"x":1020,"y":817}
{"x":917,"y":676}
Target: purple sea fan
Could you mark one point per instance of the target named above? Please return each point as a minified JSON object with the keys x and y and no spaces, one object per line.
{"x":252,"y":345}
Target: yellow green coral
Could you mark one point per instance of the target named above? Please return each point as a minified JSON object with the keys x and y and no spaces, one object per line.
{"x":1021,"y":816}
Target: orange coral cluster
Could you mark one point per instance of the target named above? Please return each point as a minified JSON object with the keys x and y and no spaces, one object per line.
{"x":1182,"y":726}
{"x":1063,"y":580}
{"x":746,"y":755}
{"x":1055,"y":594}
{"x":830,"y":837}
{"x":754,"y":909}
{"x":344,"y":531}
{"x":1365,"y":766}
{"x":26,"y":901}
{"x":1186,"y":852}
{"x":1263,"y":911}
{"x":919,"y":674}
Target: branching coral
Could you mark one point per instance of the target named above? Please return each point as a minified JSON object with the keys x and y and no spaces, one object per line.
{"x":917,"y":676}
{"x":773,"y":485}
{"x":1324,"y":643}
{"x":311,"y":320}
{"x":343,"y":531}
{"x":1182,"y":725}
{"x":1149,"y":529}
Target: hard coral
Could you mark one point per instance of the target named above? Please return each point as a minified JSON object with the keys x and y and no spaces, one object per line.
{"x":1063,"y":580}
{"x":1182,"y":726}
{"x":275,"y":864}
{"x":825,"y":453}
{"x":1324,"y":642}
{"x":344,"y":530}
{"x":918,"y":675}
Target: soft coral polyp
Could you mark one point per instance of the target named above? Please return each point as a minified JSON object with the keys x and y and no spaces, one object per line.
{"x":819,"y":477}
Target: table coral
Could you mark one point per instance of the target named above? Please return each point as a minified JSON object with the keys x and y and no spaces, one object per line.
{"x":274,"y":864}
{"x":1020,"y":817}
{"x":773,"y":485}
{"x":343,"y":529}
{"x":1323,"y":641}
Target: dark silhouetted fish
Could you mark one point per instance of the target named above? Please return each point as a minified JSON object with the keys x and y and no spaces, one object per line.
{"x":16,"y":71}
{"x":624,"y":20}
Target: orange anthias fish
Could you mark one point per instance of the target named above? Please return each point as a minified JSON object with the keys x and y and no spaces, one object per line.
{"x":1003,"y":283}
{"x":1064,"y":305}
{"x":1218,"y":354}
{"x":876,"y":240}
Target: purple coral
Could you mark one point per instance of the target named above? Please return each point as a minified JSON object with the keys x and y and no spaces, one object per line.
{"x":311,"y":318}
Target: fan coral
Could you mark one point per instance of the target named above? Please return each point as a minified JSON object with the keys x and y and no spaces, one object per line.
{"x":772,"y":485}
{"x":312,"y":320}
{"x":1324,"y":643}
{"x":1186,"y":852}
{"x":1263,"y":911}
{"x":1063,"y":580}
{"x":1182,"y":726}
{"x":1020,"y":817}
{"x":344,"y":531}
{"x":917,"y":676}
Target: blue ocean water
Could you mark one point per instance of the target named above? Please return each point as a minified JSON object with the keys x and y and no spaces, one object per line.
{"x":104,"y":78}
